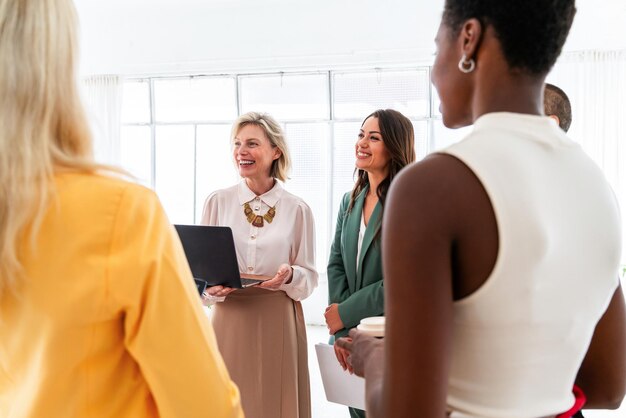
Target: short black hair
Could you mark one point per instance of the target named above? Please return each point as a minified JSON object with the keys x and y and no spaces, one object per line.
{"x":531,"y":32}
{"x":556,"y":102}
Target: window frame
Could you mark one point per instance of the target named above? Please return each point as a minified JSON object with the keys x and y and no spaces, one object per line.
{"x":430,"y":118}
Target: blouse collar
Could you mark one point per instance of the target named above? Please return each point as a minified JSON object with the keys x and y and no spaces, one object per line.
{"x":269,"y":198}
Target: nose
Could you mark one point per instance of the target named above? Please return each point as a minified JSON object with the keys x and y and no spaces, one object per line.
{"x":240,"y":150}
{"x":362,"y":142}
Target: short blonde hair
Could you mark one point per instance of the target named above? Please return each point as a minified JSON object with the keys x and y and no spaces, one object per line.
{"x":273,"y":131}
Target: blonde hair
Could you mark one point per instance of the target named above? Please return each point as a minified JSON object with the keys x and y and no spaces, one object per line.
{"x":273,"y":131}
{"x":42,"y":123}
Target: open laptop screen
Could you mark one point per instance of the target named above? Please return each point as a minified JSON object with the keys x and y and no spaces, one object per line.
{"x":211,"y":255}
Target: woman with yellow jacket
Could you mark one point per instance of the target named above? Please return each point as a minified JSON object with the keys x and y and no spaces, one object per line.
{"x":99,"y":316}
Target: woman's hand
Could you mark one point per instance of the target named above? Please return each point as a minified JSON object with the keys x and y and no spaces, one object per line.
{"x":343,"y":354}
{"x":219,"y":291}
{"x":333,"y":320}
{"x":284,"y":275}
{"x":362,"y":350}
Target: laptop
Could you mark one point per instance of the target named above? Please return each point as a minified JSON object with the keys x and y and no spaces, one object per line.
{"x":210,"y":252}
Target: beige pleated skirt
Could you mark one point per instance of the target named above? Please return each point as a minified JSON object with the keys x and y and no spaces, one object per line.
{"x":262,"y":336}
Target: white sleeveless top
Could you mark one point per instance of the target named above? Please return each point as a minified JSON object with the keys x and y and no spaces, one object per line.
{"x":519,"y":340}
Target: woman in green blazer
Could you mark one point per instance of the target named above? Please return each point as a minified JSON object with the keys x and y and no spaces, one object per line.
{"x":384,"y":146}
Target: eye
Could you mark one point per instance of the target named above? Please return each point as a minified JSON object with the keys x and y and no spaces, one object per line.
{"x":236,"y":144}
{"x":361,"y":135}
{"x":375,"y":138}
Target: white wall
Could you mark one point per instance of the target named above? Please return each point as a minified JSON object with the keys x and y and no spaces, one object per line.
{"x":136,"y":37}
{"x":144,"y":38}
{"x":599,"y":24}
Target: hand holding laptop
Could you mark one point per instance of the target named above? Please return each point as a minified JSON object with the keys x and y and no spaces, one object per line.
{"x":283,"y":275}
{"x":218,"y":293}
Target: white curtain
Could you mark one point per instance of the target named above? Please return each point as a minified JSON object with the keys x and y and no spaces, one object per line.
{"x":595,"y":82}
{"x":103,"y":99}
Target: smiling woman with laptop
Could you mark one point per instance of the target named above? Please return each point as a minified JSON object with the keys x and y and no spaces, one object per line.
{"x":260,"y":329}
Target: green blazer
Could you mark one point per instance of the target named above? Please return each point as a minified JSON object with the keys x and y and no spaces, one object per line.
{"x":356,"y":285}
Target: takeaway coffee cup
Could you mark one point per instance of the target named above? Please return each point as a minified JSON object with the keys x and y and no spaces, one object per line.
{"x":374,"y":326}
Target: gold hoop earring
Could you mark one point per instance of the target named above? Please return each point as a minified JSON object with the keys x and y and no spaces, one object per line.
{"x":466,"y":66}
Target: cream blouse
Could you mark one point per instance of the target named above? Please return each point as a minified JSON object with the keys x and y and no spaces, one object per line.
{"x":288,"y":239}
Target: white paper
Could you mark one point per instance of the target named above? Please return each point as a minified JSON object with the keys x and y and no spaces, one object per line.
{"x":340,"y":386}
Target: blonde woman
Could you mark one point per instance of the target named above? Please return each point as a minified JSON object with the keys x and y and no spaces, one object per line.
{"x":98,"y":312}
{"x":260,"y":330}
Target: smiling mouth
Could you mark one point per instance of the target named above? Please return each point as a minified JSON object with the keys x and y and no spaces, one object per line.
{"x":245,"y":163}
{"x":362,"y":155}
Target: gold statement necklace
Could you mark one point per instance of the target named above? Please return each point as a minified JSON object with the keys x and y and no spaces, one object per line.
{"x":257,"y":220}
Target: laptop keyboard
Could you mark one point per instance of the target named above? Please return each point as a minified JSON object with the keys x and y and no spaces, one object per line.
{"x":249,"y":282}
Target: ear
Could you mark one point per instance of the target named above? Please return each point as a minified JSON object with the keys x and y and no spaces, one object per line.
{"x":556,"y":118}
{"x":470,"y":37}
{"x":277,"y":153}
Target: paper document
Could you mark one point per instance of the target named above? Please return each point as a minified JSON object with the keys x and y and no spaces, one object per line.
{"x":340,"y":386}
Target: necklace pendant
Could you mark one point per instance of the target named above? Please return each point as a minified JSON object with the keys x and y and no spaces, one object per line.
{"x":258,"y":221}
{"x":269,"y":216}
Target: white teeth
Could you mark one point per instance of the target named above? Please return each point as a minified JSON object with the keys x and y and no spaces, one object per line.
{"x":362,"y":154}
{"x":245,"y":162}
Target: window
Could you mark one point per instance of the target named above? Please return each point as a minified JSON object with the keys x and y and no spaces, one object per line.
{"x":135,"y":135}
{"x":136,"y":152}
{"x":286,"y":97}
{"x":310,"y":177}
{"x":174,"y":178}
{"x":136,"y":102}
{"x":356,"y":95}
{"x":175,"y":135}
{"x":195,"y":99}
{"x":176,"y":132}
{"x":214,"y":164}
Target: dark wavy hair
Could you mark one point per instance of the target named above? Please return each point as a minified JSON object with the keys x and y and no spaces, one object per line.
{"x":531,"y":32}
{"x":396,"y":131}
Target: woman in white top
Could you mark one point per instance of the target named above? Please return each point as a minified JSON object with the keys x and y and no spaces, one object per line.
{"x":501,"y":253}
{"x":260,"y":330}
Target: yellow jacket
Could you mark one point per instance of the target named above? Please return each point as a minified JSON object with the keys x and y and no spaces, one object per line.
{"x":108,"y":322}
